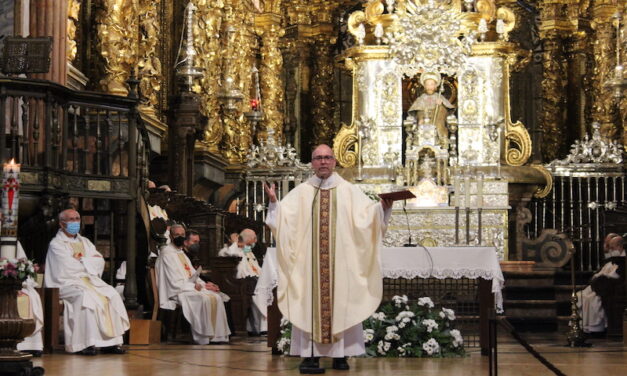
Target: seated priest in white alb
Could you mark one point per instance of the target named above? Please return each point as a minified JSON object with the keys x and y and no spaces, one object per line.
{"x":589,"y":303}
{"x":178,"y":283}
{"x":232,"y":249}
{"x":94,"y":315}
{"x":249,"y":267}
{"x":29,"y":307}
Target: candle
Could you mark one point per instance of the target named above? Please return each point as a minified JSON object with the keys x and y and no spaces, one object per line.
{"x":480,"y":191}
{"x":10,"y":201}
{"x":457,"y":191}
{"x":257,"y":98}
{"x":467,"y":190}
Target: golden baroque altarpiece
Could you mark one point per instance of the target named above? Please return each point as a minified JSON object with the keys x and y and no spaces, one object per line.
{"x":296,"y":45}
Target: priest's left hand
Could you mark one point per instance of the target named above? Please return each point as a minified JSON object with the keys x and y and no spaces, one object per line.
{"x":386,"y":203}
{"x":212,"y":287}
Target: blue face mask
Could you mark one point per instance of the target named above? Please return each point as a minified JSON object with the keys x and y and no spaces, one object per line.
{"x":247,"y":249}
{"x":73,"y":228}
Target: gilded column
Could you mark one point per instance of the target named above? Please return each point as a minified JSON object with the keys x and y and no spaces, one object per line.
{"x":604,"y":108}
{"x":73,"y":11}
{"x":323,"y":102}
{"x":239,"y":59}
{"x":558,"y":21}
{"x":272,"y":93}
{"x":209,"y":58}
{"x":149,"y":65}
{"x":118,"y":35}
{"x":48,"y":18}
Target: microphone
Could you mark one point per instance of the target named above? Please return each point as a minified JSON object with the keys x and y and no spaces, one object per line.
{"x":409,"y":244}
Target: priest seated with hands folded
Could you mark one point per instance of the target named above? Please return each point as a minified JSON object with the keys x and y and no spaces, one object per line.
{"x":179,"y":284}
{"x":94,"y":315}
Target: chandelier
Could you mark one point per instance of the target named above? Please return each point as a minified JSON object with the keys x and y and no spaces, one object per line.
{"x":428,"y":37}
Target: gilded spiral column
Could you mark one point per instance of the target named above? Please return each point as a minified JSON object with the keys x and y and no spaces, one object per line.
{"x":554,"y":84}
{"x":118,"y":36}
{"x":208,"y":23}
{"x":272,"y":92}
{"x":323,"y":102}
{"x":238,"y":59}
{"x":149,"y":65}
{"x":73,"y":12}
{"x":604,"y":107}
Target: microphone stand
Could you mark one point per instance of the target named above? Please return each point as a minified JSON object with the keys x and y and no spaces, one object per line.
{"x":409,"y":244}
{"x":310,"y":366}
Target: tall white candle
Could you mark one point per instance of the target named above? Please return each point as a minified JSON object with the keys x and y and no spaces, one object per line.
{"x":480,"y":191}
{"x":467,"y":190}
{"x":457,"y":191}
{"x":10,"y":206}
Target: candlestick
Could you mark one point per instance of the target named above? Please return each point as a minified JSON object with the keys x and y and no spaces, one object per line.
{"x":257,"y":88}
{"x":467,"y":190}
{"x":457,"y":190}
{"x":480,"y":191}
{"x":10,"y":205}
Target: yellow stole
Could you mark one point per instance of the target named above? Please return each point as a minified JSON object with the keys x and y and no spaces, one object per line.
{"x":79,"y":249}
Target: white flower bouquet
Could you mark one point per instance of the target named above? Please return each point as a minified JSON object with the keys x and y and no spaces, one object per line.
{"x":403,"y":329}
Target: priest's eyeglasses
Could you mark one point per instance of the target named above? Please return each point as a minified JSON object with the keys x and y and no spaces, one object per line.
{"x":327,"y":158}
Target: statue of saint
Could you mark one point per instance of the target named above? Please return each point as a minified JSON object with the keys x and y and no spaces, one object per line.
{"x":431,"y":107}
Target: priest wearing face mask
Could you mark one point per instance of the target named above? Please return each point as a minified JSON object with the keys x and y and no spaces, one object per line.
{"x":94,"y":315}
{"x":202,"y":302}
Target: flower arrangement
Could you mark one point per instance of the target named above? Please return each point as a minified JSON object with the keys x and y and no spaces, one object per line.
{"x":283,"y":344}
{"x":19,"y":269}
{"x":403,"y":329}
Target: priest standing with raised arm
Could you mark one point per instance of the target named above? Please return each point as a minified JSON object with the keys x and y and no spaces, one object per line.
{"x":344,"y":228}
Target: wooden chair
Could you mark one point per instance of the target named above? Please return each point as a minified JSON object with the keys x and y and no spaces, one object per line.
{"x":170,"y":319}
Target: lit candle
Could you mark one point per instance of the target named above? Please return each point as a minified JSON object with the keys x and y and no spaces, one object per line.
{"x":10,"y":204}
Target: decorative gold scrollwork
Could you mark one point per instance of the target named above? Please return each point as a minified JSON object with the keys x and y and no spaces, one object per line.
{"x":544,"y":191}
{"x":345,"y":145}
{"x":518,"y":144}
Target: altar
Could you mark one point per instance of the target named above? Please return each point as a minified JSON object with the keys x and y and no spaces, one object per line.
{"x":466,"y":279}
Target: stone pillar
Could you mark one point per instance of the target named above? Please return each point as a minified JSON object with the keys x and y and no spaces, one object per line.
{"x":48,"y":18}
{"x":272,"y":92}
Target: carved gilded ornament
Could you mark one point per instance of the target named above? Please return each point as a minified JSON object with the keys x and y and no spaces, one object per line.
{"x":73,"y":12}
{"x":322,"y":92}
{"x":604,"y":108}
{"x":272,"y":92}
{"x":117,"y":31}
{"x":345,"y":145}
{"x":149,"y":65}
{"x":208,"y":22}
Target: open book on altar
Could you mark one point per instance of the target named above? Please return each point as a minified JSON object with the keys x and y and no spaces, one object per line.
{"x":396,"y":196}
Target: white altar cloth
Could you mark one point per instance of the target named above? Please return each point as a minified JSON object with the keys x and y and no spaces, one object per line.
{"x":409,"y":263}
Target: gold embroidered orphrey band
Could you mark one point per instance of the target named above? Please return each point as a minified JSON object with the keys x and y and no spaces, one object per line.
{"x":324,"y":260}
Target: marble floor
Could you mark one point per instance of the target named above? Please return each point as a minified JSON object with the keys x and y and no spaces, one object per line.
{"x":249,"y":356}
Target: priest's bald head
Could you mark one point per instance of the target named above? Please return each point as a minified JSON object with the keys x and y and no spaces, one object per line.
{"x":70,"y":222}
{"x":323,"y":161}
{"x":248,"y":236}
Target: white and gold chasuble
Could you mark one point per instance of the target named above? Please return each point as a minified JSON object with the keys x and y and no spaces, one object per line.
{"x":348,"y":228}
